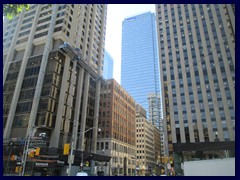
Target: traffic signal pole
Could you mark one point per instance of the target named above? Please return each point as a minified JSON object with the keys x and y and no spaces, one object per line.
{"x":25,"y":153}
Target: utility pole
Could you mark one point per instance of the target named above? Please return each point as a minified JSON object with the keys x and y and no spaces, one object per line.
{"x":71,"y":156}
{"x":25,"y":151}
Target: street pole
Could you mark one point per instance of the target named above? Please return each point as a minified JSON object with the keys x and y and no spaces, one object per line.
{"x":26,"y":147}
{"x":71,"y":156}
{"x":81,"y":165}
{"x":70,"y":159}
{"x":25,"y":153}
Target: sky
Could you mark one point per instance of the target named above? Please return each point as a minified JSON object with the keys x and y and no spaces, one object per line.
{"x":116,"y":13}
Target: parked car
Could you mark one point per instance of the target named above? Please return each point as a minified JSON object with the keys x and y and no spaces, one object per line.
{"x":82,"y":173}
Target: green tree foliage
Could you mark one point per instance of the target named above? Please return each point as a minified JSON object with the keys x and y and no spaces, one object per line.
{"x":11,"y":10}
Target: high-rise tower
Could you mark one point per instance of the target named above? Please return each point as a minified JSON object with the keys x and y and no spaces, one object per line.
{"x":197,"y":60}
{"x":52,"y":71}
{"x":140,"y":70}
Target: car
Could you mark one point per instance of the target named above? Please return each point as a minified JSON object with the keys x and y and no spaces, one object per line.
{"x":82,"y":173}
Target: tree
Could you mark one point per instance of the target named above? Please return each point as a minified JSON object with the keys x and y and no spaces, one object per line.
{"x":11,"y":10}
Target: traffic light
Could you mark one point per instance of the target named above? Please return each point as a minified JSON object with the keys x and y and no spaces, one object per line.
{"x":162,"y":159}
{"x":31,"y":153}
{"x":17,"y":169}
{"x":66,"y":149}
{"x":166,"y":160}
{"x":87,"y":163}
{"x":171,"y":160}
{"x":37,"y":153}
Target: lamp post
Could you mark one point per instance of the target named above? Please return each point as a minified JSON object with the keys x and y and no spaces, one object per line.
{"x":71,"y":156}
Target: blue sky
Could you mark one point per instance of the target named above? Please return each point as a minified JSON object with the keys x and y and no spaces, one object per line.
{"x":115,"y":15}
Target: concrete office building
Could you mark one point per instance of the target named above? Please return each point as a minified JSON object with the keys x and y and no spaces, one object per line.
{"x":148,"y":144}
{"x":118,"y":136}
{"x":140,"y":66}
{"x":108,"y":66}
{"x":53,"y":87}
{"x":197,"y":60}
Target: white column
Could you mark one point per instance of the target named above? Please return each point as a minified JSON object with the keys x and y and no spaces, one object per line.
{"x":54,"y":140}
{"x":84,"y":111}
{"x":47,"y":49}
{"x":95,"y":121}
{"x":78,"y":104}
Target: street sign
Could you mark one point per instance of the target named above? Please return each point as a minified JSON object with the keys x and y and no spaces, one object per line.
{"x":70,"y":160}
{"x":41,"y":164}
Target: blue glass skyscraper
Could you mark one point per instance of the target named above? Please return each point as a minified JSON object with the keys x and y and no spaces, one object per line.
{"x":140,"y":68}
{"x":108,"y":66}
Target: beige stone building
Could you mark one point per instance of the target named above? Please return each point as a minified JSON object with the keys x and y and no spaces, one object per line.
{"x":197,"y":60}
{"x":145,"y":138}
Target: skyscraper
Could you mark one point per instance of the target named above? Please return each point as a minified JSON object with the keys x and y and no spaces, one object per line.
{"x":52,"y":74}
{"x":197,"y":61}
{"x":108,"y":66}
{"x":140,"y":70}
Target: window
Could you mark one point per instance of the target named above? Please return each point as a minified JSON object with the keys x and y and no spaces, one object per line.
{"x":29,"y":14}
{"x":24,"y":107}
{"x":40,"y":34}
{"x":106,"y":145}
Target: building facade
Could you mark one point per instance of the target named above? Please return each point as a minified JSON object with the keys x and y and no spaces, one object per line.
{"x":158,"y":146}
{"x":154,"y":103}
{"x":108,"y":66}
{"x":148,"y":144}
{"x":140,"y":66}
{"x":118,"y":136}
{"x":53,"y":58}
{"x":197,"y":59}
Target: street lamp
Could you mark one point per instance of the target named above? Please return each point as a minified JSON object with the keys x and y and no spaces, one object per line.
{"x":71,"y":156}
